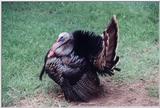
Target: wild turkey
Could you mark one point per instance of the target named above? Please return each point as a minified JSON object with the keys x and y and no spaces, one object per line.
{"x":75,"y":60}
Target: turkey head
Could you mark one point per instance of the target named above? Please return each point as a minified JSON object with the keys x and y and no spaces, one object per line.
{"x":63,"y":46}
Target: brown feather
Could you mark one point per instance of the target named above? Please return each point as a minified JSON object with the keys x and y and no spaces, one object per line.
{"x":107,"y":56}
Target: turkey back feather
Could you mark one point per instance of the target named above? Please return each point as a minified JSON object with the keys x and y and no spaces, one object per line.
{"x":87,"y":44}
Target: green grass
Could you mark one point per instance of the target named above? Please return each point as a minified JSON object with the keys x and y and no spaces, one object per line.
{"x":30,"y":28}
{"x":153,"y":91}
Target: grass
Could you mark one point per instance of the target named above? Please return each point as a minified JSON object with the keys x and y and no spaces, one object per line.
{"x":30,"y":28}
{"x":153,"y":91}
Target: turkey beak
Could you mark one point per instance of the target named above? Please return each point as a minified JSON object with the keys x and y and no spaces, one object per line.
{"x":52,"y":50}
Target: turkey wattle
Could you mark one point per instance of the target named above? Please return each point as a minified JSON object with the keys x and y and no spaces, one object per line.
{"x":75,"y":60}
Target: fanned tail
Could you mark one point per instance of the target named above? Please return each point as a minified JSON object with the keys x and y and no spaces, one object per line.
{"x":107,"y":59}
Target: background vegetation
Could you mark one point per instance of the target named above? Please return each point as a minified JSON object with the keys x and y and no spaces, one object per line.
{"x":30,"y":28}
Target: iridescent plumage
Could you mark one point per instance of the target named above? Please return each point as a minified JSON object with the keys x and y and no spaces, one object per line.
{"x":75,"y":60}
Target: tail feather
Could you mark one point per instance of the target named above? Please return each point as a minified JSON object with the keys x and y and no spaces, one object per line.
{"x":107,"y":59}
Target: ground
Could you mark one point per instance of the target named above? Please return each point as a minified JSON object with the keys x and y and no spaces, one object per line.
{"x":134,"y":94}
{"x":30,"y":28}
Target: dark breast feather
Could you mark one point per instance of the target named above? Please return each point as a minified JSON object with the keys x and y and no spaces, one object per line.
{"x":70,"y":67}
{"x":75,"y":76}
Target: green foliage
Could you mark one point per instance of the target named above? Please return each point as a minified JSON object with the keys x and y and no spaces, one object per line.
{"x":30,"y":28}
{"x":153,"y":91}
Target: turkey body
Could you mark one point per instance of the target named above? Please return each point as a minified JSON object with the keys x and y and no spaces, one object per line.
{"x":75,"y":75}
{"x":75,"y":60}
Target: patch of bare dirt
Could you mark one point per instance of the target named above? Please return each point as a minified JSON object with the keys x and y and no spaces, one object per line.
{"x":113,"y":94}
{"x":123,"y":95}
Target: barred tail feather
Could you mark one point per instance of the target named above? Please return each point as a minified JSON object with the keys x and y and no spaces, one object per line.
{"x":107,"y":59}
